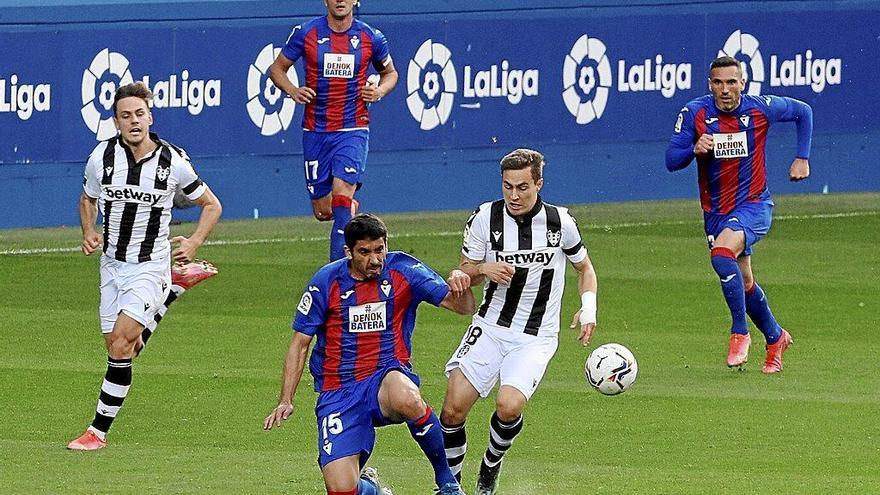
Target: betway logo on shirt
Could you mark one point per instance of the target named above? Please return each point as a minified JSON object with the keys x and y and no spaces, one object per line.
{"x":368,"y":317}
{"x":521,"y":258}
{"x":132,"y":195}
{"x":339,"y":65}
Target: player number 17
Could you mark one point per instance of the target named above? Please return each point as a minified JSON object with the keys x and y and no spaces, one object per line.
{"x":311,"y":166}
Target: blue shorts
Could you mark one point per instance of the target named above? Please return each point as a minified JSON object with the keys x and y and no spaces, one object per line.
{"x":753,"y":219}
{"x":334,"y":154}
{"x":348,"y":417}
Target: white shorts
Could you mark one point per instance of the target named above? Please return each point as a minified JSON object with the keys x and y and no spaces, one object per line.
{"x":138,"y":289}
{"x":487,"y":353}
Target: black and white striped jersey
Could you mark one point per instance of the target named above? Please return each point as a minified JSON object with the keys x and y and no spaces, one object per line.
{"x":135,"y":197}
{"x":537,"y":245}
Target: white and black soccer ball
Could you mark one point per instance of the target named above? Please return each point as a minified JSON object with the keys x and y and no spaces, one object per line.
{"x":611,"y":369}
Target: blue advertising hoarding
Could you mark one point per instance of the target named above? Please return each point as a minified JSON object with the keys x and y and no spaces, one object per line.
{"x":582,"y":83}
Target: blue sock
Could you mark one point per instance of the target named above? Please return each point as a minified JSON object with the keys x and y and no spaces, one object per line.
{"x":724,"y":263}
{"x":426,"y":431}
{"x":367,"y":488}
{"x":341,"y":215}
{"x":758,"y":309}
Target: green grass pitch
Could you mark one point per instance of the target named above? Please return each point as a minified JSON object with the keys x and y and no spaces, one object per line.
{"x":192,"y":422}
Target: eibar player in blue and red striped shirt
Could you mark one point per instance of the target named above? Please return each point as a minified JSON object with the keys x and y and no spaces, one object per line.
{"x":337,"y":51}
{"x":362,"y":311}
{"x":727,"y":133}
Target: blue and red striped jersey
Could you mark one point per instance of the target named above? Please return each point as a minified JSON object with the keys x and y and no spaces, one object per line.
{"x":335,"y":66}
{"x":736,"y":172}
{"x":362,"y":327}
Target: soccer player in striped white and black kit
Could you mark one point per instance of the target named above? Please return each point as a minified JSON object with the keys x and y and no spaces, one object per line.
{"x":133,"y":178}
{"x":518,"y":246}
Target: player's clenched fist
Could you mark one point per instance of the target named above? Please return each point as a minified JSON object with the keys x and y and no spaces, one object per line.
{"x":498,"y":272}
{"x":704,"y":145}
{"x":91,"y":242}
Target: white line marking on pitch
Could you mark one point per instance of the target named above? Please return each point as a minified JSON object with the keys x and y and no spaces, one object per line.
{"x":285,"y":240}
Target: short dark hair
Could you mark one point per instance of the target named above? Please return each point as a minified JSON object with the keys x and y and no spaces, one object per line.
{"x":726,"y":61}
{"x":364,"y":227}
{"x":524,"y":158}
{"x":137,"y":89}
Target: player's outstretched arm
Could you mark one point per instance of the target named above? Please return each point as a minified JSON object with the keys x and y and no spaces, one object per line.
{"x":211,"y":211}
{"x":460,"y":298}
{"x":88,"y":214}
{"x":294,"y":362}
{"x":588,"y":284}
{"x":499,"y":272}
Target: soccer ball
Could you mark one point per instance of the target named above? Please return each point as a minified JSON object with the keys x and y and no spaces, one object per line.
{"x":611,"y":369}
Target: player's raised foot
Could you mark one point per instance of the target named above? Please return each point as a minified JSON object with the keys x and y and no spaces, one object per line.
{"x":187,"y":275}
{"x":370,"y":474}
{"x":738,"y":349}
{"x":450,"y":489}
{"x":773,"y":362}
{"x":487,"y":481}
{"x":87,"y":441}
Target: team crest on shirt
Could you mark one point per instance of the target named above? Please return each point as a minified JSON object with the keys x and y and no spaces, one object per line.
{"x":553,"y":237}
{"x":355,"y":41}
{"x":162,"y":173}
{"x":370,"y":317}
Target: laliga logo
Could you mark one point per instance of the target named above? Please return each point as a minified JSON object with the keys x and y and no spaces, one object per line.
{"x":745,"y":43}
{"x":110,"y":69}
{"x":431,"y":84}
{"x":263,"y":95}
{"x":802,"y":70}
{"x":586,"y":70}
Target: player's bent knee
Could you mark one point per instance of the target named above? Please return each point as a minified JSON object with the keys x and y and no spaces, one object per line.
{"x":452,"y":415}
{"x":509,"y":408}
{"x":120,"y":347}
{"x":323,"y":215}
{"x":411,"y":405}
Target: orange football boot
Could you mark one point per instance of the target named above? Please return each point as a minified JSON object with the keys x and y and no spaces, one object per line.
{"x":738,"y":350}
{"x":773,"y":362}
{"x":87,"y":441}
